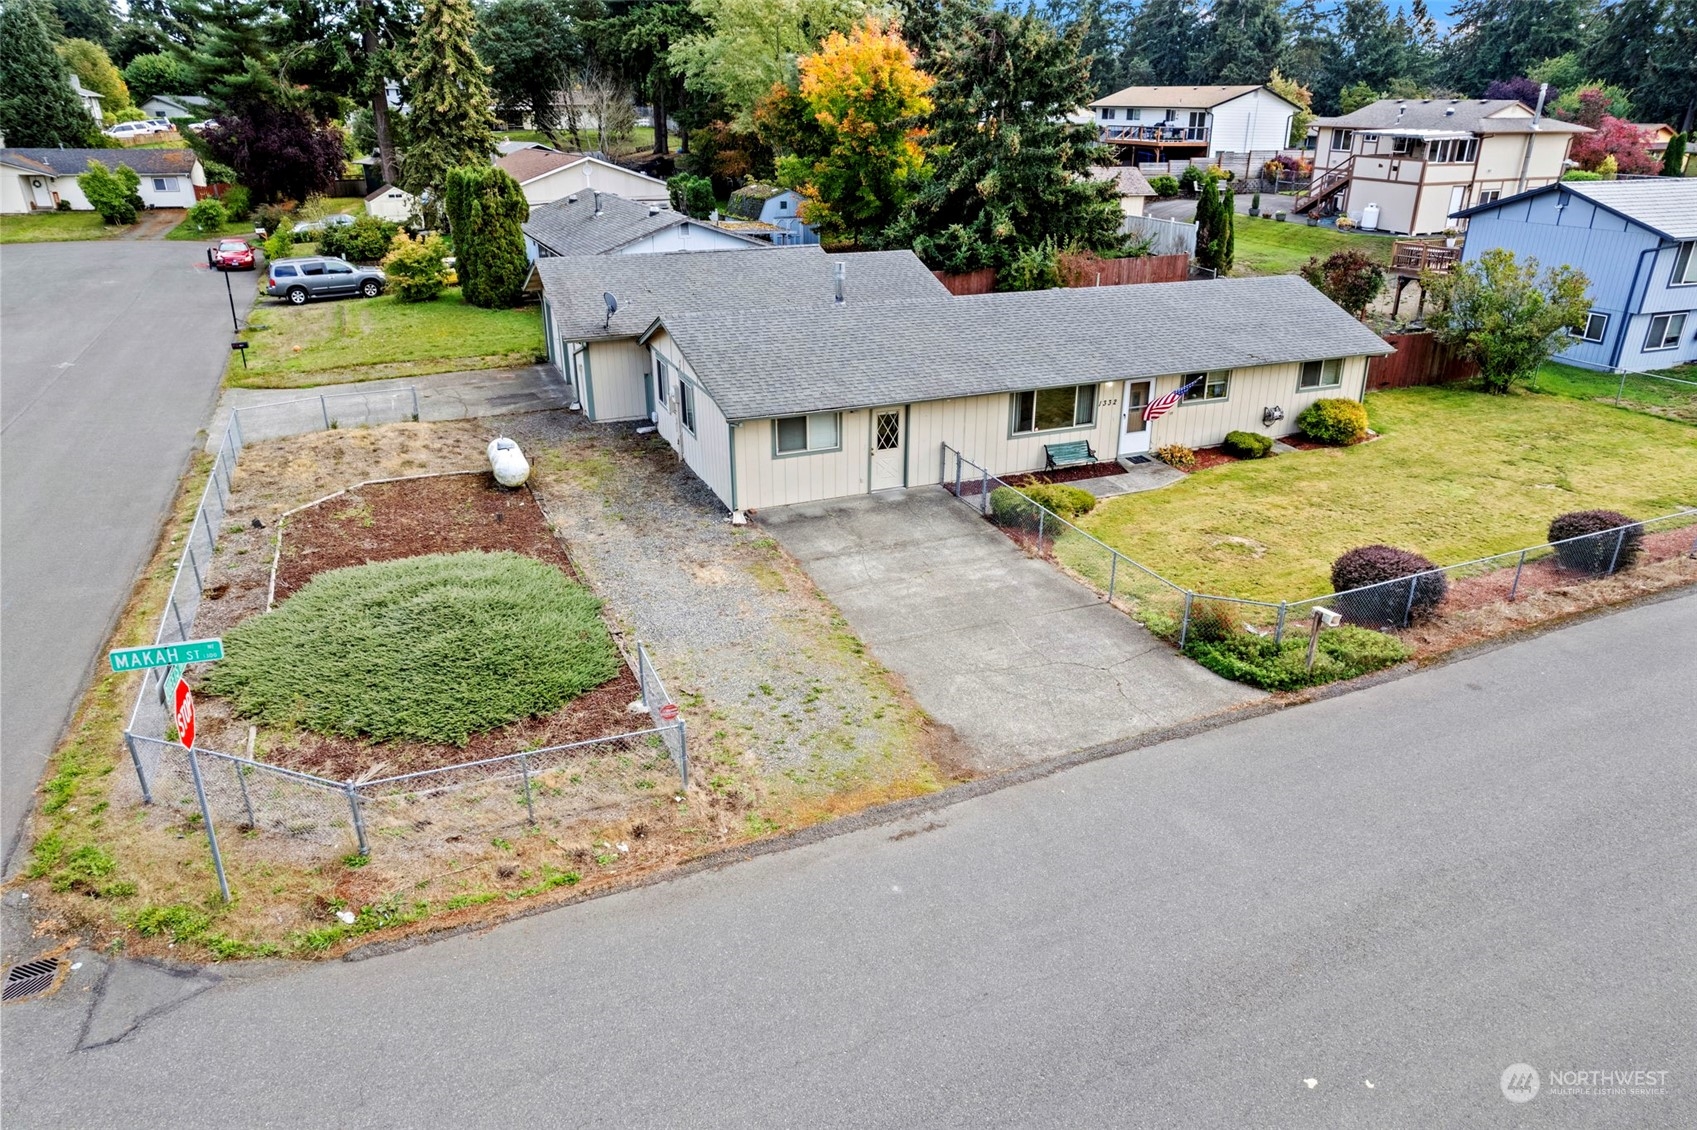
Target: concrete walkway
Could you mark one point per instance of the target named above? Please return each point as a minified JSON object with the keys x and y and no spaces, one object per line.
{"x":439,"y":396}
{"x":1024,"y":663}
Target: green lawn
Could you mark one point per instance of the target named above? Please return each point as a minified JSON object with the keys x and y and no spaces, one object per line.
{"x":365,"y":339}
{"x":1456,"y":475}
{"x":641,"y":141}
{"x":186,"y":231}
{"x":1639,"y":391}
{"x":51,"y":227}
{"x":1267,"y":247}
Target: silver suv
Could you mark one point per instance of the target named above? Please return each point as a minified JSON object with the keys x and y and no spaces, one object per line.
{"x":321,"y":277}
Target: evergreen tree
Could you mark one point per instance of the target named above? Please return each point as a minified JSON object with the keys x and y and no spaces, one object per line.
{"x":1009,"y":170}
{"x":1242,"y":42}
{"x":1164,"y":36}
{"x":1491,"y":39}
{"x":1309,"y":49}
{"x":231,"y":60}
{"x":1673,"y":96}
{"x":87,"y":19}
{"x":451,"y":123}
{"x":1369,"y":48}
{"x":529,"y":46}
{"x":1216,"y":211}
{"x":486,"y":210}
{"x":1673,"y":161}
{"x":37,"y":108}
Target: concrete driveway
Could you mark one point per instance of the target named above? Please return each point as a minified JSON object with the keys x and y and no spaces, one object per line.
{"x":1024,"y":663}
{"x":112,"y":358}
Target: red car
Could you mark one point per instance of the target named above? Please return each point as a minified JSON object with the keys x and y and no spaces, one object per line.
{"x":233,"y":255}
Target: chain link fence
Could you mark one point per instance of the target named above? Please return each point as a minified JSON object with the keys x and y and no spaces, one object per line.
{"x":553,"y":788}
{"x":1168,"y":608}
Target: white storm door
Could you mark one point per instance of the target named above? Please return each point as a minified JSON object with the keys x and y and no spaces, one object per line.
{"x":889,"y":463}
{"x":1134,"y":429}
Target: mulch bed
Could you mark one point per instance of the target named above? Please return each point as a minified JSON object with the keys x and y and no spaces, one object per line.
{"x":1064,"y":475}
{"x":1546,"y":574}
{"x":408,"y":518}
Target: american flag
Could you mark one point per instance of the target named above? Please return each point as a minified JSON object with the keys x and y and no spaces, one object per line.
{"x":1161,"y":405}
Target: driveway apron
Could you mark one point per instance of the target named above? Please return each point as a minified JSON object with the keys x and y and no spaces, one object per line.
{"x":1023,"y":662}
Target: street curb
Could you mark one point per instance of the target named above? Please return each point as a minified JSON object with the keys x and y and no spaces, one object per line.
{"x":897,"y":811}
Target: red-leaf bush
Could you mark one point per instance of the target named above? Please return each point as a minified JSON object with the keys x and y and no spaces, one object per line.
{"x":1595,"y":552}
{"x":1368,"y":568}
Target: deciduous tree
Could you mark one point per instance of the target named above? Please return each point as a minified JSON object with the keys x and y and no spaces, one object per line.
{"x":1347,"y":277}
{"x":853,"y":146}
{"x":1624,"y":141}
{"x":95,"y":70}
{"x":114,"y":193}
{"x":157,"y":73}
{"x":749,"y":45}
{"x":1500,"y":314}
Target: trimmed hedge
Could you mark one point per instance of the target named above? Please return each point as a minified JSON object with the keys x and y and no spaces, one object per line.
{"x":1164,"y":185}
{"x":1596,"y":554}
{"x":1343,"y":653}
{"x":1334,"y":420}
{"x":1368,"y":568}
{"x":1010,"y":506}
{"x":1248,"y":445}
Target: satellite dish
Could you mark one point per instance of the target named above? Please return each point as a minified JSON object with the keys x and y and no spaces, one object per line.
{"x":612,"y":308}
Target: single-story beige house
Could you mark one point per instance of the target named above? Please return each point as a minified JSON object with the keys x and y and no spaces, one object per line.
{"x":36,"y":180}
{"x":771,"y":407}
{"x":547,"y":175}
{"x":597,"y":349}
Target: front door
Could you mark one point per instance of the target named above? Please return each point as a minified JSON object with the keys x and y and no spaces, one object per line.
{"x":1458,"y":201}
{"x":40,"y":195}
{"x":1134,"y":429}
{"x":889,"y":463}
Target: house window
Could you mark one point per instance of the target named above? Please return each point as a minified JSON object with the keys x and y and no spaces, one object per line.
{"x":1053,"y":409}
{"x":661,"y":384}
{"x":1490,"y":195}
{"x":1107,"y":114}
{"x":1134,"y":115}
{"x":1401,"y":145}
{"x":164,"y":184}
{"x":686,"y":406}
{"x":1596,"y":327}
{"x":799,"y":435}
{"x":1684,"y":266}
{"x":1210,"y":386}
{"x":1369,"y":139}
{"x":1453,"y":151}
{"x":1320,"y":374}
{"x":1665,"y":331}
{"x":783,"y":205}
{"x":1342,"y":138}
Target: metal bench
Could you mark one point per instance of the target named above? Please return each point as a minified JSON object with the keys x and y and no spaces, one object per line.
{"x":1075,"y":454}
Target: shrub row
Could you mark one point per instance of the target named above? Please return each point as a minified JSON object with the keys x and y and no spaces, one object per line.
{"x":1342,"y":653}
{"x":1014,"y":507}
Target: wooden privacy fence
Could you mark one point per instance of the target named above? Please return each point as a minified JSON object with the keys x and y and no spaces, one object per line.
{"x":1418,"y":360}
{"x":1083,"y":269}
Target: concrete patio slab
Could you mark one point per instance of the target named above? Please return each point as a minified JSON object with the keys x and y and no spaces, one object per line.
{"x":1023,"y":662}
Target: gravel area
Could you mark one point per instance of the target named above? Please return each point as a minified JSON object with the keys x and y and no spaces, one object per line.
{"x":765,"y":667}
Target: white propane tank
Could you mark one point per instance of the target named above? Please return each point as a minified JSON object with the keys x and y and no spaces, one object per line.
{"x":508,"y":462}
{"x":1370,"y":218}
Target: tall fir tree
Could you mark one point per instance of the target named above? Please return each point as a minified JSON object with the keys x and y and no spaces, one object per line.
{"x":1242,"y":41}
{"x":1309,"y":48}
{"x":232,"y":59}
{"x":1370,"y":48}
{"x":1165,"y":38}
{"x":1009,"y":170}
{"x":1493,"y":40}
{"x":37,"y":108}
{"x":451,"y":122}
{"x":486,"y":211}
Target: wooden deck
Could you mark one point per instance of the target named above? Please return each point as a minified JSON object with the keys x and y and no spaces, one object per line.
{"x":1413,"y":257}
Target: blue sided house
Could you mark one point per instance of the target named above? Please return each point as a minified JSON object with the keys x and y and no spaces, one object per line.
{"x":1636,"y":240}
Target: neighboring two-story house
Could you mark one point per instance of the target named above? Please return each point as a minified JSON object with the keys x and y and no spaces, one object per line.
{"x":1164,"y":123}
{"x":768,"y":212}
{"x":1636,"y":240}
{"x":1408,"y":165}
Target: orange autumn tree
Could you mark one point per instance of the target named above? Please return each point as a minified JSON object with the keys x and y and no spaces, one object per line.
{"x":849,"y":129}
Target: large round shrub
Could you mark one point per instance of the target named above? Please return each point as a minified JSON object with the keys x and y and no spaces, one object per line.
{"x":1334,"y":420}
{"x":1367,"y":575}
{"x":1060,"y":498}
{"x":432,"y":648}
{"x":1601,"y":534}
{"x":1009,"y":507}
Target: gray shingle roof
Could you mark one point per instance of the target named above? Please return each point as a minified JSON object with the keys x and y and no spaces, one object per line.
{"x":1471,"y":114}
{"x":762,"y":363}
{"x":146,"y":162}
{"x":570,"y":226}
{"x":1667,"y":205}
{"x":1128,"y":179}
{"x":663,"y":285}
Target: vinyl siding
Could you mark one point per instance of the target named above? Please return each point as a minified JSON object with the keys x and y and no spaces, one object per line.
{"x":765,"y":479}
{"x":1257,"y":121}
{"x":686,"y":237}
{"x":980,"y":427}
{"x":618,"y":374}
{"x":563,"y":182}
{"x":708,"y":450}
{"x":1253,"y":390}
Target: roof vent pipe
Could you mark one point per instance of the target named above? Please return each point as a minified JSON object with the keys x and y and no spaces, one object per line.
{"x":597,"y":203}
{"x":841,"y":272}
{"x":1543,"y":92}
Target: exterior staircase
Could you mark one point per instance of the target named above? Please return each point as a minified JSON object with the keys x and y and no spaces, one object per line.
{"x":1325,"y":186}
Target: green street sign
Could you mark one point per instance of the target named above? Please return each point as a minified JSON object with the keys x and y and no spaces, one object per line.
{"x":166,"y":654}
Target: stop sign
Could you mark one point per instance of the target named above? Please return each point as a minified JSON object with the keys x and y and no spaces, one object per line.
{"x":184,"y":713}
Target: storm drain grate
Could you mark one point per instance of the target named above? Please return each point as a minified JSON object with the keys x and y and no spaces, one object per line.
{"x":28,"y":978}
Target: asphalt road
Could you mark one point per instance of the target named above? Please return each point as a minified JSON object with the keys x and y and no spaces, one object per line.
{"x":1354,"y":913}
{"x":110,"y":363}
